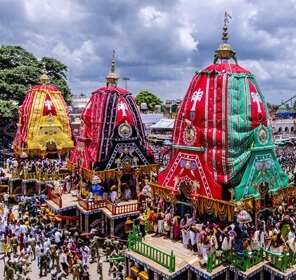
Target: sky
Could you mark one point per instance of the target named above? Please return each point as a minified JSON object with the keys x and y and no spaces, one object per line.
{"x":159,"y":44}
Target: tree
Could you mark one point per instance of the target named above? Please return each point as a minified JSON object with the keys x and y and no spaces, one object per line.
{"x":20,"y":70}
{"x":8,"y":112}
{"x":56,"y":71}
{"x":149,"y":98}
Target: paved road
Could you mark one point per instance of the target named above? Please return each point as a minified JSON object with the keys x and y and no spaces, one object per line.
{"x":34,"y":275}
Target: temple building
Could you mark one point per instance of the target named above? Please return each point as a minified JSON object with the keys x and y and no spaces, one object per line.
{"x":44,"y":123}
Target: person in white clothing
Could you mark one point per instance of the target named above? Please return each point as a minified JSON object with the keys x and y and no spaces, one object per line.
{"x":38,"y":252}
{"x":205,"y":248}
{"x":184,"y":226}
{"x":23,"y":228}
{"x":258,"y":239}
{"x":64,"y":262}
{"x":46,"y":245}
{"x":291,"y":240}
{"x":85,"y":253}
{"x":57,"y":237}
{"x":213,"y":242}
{"x":227,"y":243}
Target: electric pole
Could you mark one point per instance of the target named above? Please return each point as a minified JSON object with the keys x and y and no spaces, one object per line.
{"x":125,"y":81}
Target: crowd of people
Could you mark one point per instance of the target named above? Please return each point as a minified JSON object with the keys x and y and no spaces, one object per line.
{"x":31,"y":238}
{"x":287,"y":158}
{"x":42,"y":166}
{"x":162,"y":154}
{"x":275,"y":230}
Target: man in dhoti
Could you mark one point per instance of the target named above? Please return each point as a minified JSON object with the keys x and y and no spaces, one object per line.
{"x":205,"y":248}
{"x":68,"y":183}
{"x":185,"y":225}
{"x":159,"y":218}
{"x":291,"y":240}
{"x":113,"y":195}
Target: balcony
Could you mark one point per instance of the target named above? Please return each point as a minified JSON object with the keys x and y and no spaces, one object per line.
{"x":114,"y":209}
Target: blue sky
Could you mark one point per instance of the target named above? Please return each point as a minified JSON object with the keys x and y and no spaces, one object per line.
{"x":159,"y":44}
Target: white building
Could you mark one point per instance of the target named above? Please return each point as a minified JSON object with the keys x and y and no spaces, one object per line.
{"x":284,"y":126}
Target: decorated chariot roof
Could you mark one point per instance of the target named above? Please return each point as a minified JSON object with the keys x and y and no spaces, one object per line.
{"x":111,"y":134}
{"x":44,"y":123}
{"x":215,"y":127}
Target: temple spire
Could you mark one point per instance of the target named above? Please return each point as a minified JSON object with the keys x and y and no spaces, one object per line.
{"x":44,"y":79}
{"x":225,"y":28}
{"x":225,"y":51}
{"x":112,"y":76}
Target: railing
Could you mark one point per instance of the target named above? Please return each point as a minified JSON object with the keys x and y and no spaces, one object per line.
{"x":4,"y":188}
{"x":247,"y":259}
{"x":54,"y":176}
{"x":122,"y":209}
{"x":292,"y":259}
{"x":31,"y":176}
{"x":238,"y":261}
{"x":162,"y":258}
{"x":15,"y":174}
{"x":281,"y":262}
{"x":38,"y":176}
{"x":105,"y":203}
{"x":91,"y":205}
{"x":55,"y":198}
{"x":255,"y":257}
{"x":136,"y":244}
{"x":25,"y":175}
{"x":216,"y":260}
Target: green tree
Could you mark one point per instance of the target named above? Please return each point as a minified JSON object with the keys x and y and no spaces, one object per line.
{"x":149,"y":98}
{"x":8,"y":112}
{"x":20,"y":70}
{"x":56,"y":71}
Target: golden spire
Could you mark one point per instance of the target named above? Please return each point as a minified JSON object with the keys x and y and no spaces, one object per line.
{"x":44,"y":79}
{"x":112,"y":76}
{"x":225,"y":50}
{"x":225,"y":32}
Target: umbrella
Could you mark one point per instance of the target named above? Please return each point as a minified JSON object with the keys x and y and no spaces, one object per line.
{"x":167,"y":142}
{"x":243,"y":217}
{"x":23,"y":155}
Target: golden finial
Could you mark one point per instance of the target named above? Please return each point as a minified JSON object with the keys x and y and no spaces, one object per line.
{"x":225,"y":29}
{"x":225,"y":50}
{"x":44,"y":79}
{"x":112,"y":76}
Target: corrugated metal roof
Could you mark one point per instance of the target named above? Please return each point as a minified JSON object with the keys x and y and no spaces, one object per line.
{"x":164,"y":124}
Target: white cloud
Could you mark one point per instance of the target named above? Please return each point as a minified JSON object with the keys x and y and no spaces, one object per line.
{"x":186,"y":39}
{"x":257,"y":67}
{"x":152,"y":17}
{"x":158,"y":44}
{"x":52,"y":11}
